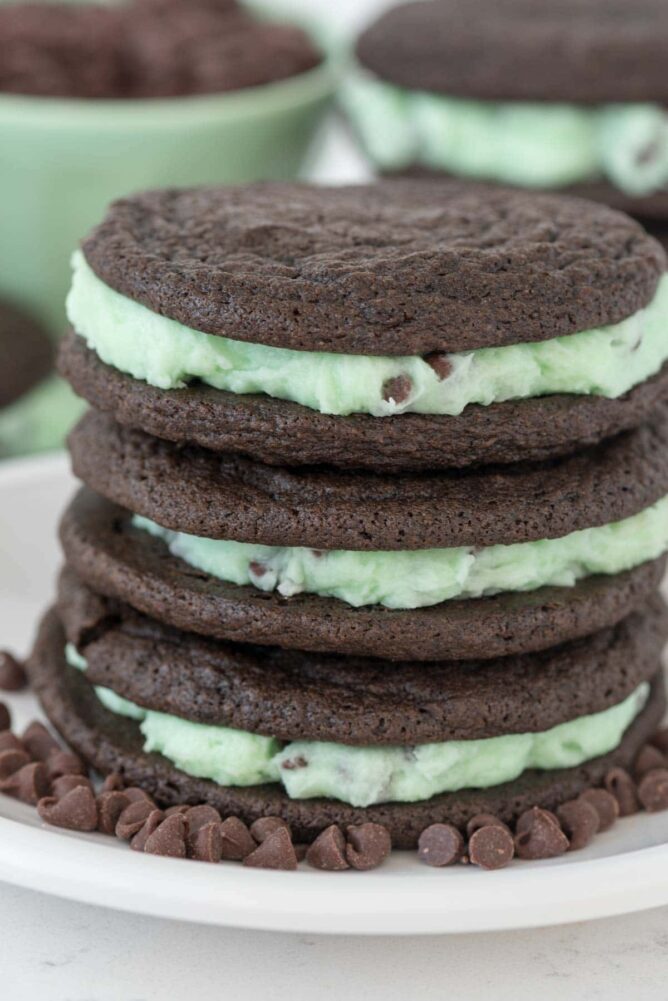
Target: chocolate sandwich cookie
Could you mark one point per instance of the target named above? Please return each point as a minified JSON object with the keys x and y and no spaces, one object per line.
{"x":26,"y":354}
{"x":571,"y":97}
{"x":110,"y":742}
{"x":470,"y":323}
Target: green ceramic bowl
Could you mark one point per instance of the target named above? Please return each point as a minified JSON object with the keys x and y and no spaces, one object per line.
{"x":63,"y":160}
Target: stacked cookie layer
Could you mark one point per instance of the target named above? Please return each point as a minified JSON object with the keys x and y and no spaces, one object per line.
{"x":375,"y":505}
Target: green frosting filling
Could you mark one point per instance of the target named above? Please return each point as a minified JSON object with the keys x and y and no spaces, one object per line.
{"x":426,"y":576}
{"x":365,"y":775}
{"x":529,"y":145}
{"x":40,"y":420}
{"x":133,"y":339}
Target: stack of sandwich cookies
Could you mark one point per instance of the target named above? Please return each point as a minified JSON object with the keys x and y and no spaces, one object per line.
{"x":389,"y":635}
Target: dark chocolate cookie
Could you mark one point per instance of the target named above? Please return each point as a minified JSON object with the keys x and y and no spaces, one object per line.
{"x":122,"y":562}
{"x":589,"y":51}
{"x":196,"y":491}
{"x":395,"y":268}
{"x":279,"y":432}
{"x":26,"y":354}
{"x":112,"y":743}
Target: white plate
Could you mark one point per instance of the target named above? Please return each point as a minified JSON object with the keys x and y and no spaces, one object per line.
{"x":623,"y":870}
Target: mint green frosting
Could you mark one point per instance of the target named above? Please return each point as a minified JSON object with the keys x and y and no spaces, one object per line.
{"x":422,"y":577}
{"x":365,"y":775}
{"x":133,"y":339}
{"x":539,"y":145}
{"x":39,"y":420}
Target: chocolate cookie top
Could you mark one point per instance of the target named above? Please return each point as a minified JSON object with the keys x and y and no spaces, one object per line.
{"x":26,"y":354}
{"x":146,"y":48}
{"x":575,"y":50}
{"x":113,"y":743}
{"x":189,"y":489}
{"x":353,"y":700}
{"x":284,"y":433}
{"x":397,"y":268}
{"x":122,"y":562}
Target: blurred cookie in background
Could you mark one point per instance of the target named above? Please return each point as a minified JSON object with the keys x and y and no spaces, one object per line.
{"x":566,"y":96}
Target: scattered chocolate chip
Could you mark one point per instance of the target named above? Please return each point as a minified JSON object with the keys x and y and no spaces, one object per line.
{"x":301,"y":851}
{"x":397,"y":389}
{"x":368,"y":845}
{"x":133,"y":817}
{"x":660,"y":740}
{"x":580,"y":821}
{"x":440,"y":363}
{"x":5,"y":717}
{"x":12,"y":676}
{"x":76,"y":811}
{"x":206,"y":844}
{"x":29,"y":784}
{"x":64,"y":763}
{"x":328,"y":851}
{"x":10,"y":742}
{"x":275,"y":852}
{"x":11,"y":761}
{"x":38,"y":741}
{"x":236,"y":840}
{"x":65,"y":783}
{"x":440,"y":844}
{"x":199,"y":816}
{"x":113,"y":782}
{"x":619,"y":783}
{"x":264,"y":826}
{"x":605,"y":805}
{"x":135,"y":794}
{"x":649,"y":758}
{"x":539,"y":836}
{"x":484,"y":820}
{"x":653,"y":790}
{"x":181,"y":808}
{"x":150,"y":825}
{"x":169,"y":839}
{"x":110,"y":806}
{"x":491,"y":846}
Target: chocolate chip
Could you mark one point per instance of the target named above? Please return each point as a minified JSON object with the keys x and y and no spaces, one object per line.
{"x":150,"y":825}
{"x":29,"y":784}
{"x":169,"y":839}
{"x":605,"y":805}
{"x":199,"y":816}
{"x":440,"y":363}
{"x":397,"y":389}
{"x":275,"y":852}
{"x":12,"y":675}
{"x":264,"y":826}
{"x":64,"y":763}
{"x":38,"y":741}
{"x":653,"y":790}
{"x":301,"y":851}
{"x":206,"y":844}
{"x":484,"y":820}
{"x":440,"y":844}
{"x":649,"y":758}
{"x":113,"y":782}
{"x":328,"y":851}
{"x":135,"y":794}
{"x":368,"y":845}
{"x":236,"y":840}
{"x":110,"y":806}
{"x":621,"y":785}
{"x":539,"y":835}
{"x":64,"y":783}
{"x":76,"y":811}
{"x":660,"y":740}
{"x":181,"y":808}
{"x":579,"y":820}
{"x":5,"y":717}
{"x":294,"y":763}
{"x":491,"y":846}
{"x":11,"y":761}
{"x":257,"y":569}
{"x":10,"y":742}
{"x":133,"y":818}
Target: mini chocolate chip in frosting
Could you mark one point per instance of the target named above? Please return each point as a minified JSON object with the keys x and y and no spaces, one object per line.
{"x":236,"y":840}
{"x":491,"y":846}
{"x":580,"y":821}
{"x":440,"y":844}
{"x":38,"y":741}
{"x":257,"y":569}
{"x":605,"y":805}
{"x":261,"y":828}
{"x":397,"y":389}
{"x":653,"y":790}
{"x":169,"y":838}
{"x":75,"y":811}
{"x":275,"y":852}
{"x":648,"y":758}
{"x":290,"y":764}
{"x":5,"y":717}
{"x":440,"y":363}
{"x":539,"y":835}
{"x":12,"y":676}
{"x":618,"y":782}
{"x":110,"y":806}
{"x":328,"y":851}
{"x":368,"y":845}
